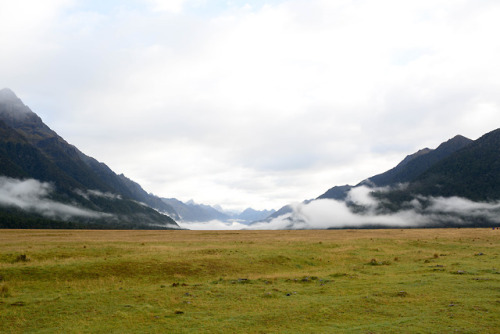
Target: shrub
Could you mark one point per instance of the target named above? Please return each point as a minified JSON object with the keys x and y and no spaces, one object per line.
{"x":4,"y":290}
{"x":21,"y":258}
{"x":374,"y":262}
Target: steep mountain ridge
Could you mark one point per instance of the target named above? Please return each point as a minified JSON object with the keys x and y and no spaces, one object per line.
{"x":472,"y":172}
{"x":416,"y":164}
{"x":92,"y":174}
{"x":139,"y":194}
{"x":21,"y":159}
{"x":407,"y":170}
{"x":455,"y":185}
{"x":29,"y":149}
{"x":192,"y":212}
{"x":65,"y":156}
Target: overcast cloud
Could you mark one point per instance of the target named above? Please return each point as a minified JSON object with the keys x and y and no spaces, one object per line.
{"x":254,"y":104}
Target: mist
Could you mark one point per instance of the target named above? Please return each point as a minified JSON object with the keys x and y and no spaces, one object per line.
{"x":34,"y":196}
{"x":213,"y":225}
{"x":329,"y":213}
{"x":361,"y":209}
{"x":96,"y":193}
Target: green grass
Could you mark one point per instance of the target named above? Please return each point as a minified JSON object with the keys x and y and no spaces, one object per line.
{"x":349,"y":281}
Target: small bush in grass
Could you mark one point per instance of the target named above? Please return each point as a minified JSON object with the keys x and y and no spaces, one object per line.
{"x":22,"y":258}
{"x":374,"y":262}
{"x":4,"y":291}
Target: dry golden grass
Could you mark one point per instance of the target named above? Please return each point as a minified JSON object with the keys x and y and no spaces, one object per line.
{"x":312,"y":281}
{"x":30,"y":236}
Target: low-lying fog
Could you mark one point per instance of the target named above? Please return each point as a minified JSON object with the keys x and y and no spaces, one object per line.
{"x":34,"y":196}
{"x":327,"y":213}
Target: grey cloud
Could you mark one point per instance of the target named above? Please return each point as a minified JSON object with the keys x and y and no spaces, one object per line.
{"x":33,"y":196}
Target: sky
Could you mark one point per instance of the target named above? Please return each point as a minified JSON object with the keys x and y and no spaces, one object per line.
{"x":254,"y":103}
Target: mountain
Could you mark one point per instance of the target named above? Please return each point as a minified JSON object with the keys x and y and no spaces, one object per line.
{"x":193,"y":212}
{"x":407,"y":170}
{"x":34,"y":157}
{"x":472,"y":172}
{"x":250,"y":215}
{"x":469,"y":180}
{"x":455,"y":185}
{"x":139,"y":194}
{"x":337,"y":192}
{"x":416,"y":164}
{"x":284,"y":210}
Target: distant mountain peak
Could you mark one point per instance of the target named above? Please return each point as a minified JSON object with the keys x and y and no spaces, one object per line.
{"x":7,"y":93}
{"x":460,"y":137}
{"x":458,"y":140}
{"x":8,"y":96}
{"x":12,"y":107}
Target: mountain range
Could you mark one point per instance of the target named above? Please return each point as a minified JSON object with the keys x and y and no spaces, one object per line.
{"x":456,"y":184}
{"x":193,"y":212}
{"x":46,"y":182}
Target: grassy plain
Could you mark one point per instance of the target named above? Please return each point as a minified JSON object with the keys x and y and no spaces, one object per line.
{"x":335,"y":281}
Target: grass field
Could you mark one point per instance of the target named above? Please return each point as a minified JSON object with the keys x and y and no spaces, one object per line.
{"x":335,"y":281}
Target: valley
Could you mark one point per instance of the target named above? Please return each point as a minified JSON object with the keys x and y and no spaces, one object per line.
{"x":310,"y":281}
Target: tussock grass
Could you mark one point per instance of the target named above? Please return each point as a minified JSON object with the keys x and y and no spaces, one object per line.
{"x":346,"y":281}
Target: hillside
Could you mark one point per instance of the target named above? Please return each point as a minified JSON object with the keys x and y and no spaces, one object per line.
{"x":418,"y":163}
{"x":473,"y":172}
{"x":455,"y":185}
{"x":192,"y":212}
{"x":407,"y":170}
{"x":34,"y":155}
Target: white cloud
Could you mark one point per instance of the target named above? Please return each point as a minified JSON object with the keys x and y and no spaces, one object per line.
{"x":212,"y":225}
{"x":33,"y":196}
{"x":466,"y":207}
{"x":96,"y":193}
{"x":361,"y":196}
{"x":171,"y":6}
{"x":327,"y":213}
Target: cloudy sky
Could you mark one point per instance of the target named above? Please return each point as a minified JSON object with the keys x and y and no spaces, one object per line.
{"x":254,"y":103}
